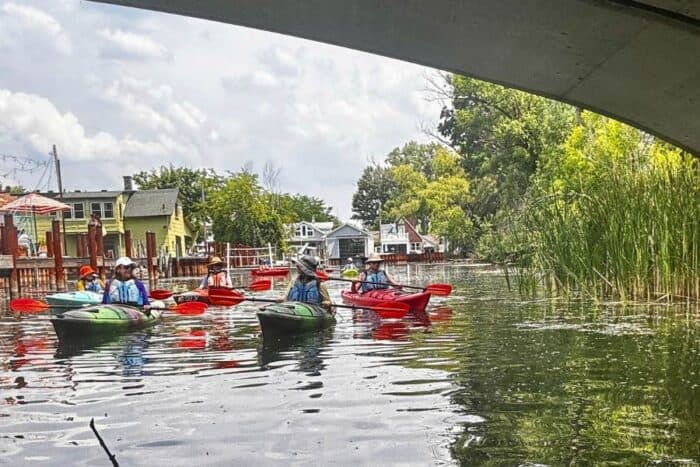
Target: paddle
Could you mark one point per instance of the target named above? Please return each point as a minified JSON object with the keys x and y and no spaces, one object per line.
{"x":30,"y":305}
{"x":255,"y":286}
{"x":225,"y":297}
{"x":440,"y":290}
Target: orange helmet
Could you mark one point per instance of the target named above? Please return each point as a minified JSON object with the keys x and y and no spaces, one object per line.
{"x":86,"y":271}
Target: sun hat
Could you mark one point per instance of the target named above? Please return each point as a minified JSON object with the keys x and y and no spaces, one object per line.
{"x":307,"y":265}
{"x":350,"y":260}
{"x":86,"y":271}
{"x":215,"y":260}
{"x":124,"y":261}
{"x":374,"y":258}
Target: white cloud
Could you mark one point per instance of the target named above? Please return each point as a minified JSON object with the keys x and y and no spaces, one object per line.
{"x":40,"y":23}
{"x":125,"y":44}
{"x":35,"y":123}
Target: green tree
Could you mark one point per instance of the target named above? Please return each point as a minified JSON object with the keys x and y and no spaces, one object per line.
{"x":240,"y":213}
{"x":374,"y":188}
{"x":501,"y":134}
{"x":194,"y":186}
{"x":297,"y":207}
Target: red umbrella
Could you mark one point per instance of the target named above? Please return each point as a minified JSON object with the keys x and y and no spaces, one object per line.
{"x":35,"y":204}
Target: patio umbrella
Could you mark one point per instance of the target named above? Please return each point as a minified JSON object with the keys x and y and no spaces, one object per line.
{"x":35,"y":204}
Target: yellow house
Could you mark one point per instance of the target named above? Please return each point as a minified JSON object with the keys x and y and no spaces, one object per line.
{"x":158,"y":211}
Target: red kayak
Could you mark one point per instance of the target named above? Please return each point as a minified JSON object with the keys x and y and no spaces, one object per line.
{"x":417,"y":301}
{"x":270,"y":272}
{"x":197,"y":295}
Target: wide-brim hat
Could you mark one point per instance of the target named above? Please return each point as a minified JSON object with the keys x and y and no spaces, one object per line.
{"x":86,"y":271}
{"x":214,"y":261}
{"x":374,"y":258}
{"x":307,"y":265}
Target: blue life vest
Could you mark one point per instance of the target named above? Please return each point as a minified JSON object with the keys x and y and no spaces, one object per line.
{"x":306,"y":292}
{"x":378,"y":280}
{"x":125,"y":292}
{"x":93,"y":286}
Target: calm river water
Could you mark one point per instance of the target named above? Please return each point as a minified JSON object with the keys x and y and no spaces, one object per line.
{"x":486,"y":379}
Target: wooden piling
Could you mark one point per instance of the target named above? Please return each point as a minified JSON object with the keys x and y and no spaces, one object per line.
{"x":11,"y":248}
{"x":151,"y":258}
{"x":82,"y":246}
{"x":128,"y":244}
{"x":49,"y":244}
{"x":58,"y":255}
{"x":92,"y":246}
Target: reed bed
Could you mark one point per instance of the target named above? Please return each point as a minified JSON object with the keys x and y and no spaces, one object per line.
{"x":628,"y":233}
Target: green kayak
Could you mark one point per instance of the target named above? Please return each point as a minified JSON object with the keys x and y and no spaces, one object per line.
{"x":102,"y":319}
{"x":293,"y":318}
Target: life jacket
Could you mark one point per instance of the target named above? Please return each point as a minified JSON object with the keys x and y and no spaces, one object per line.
{"x":217,"y":280}
{"x":93,"y":286}
{"x":307,"y":292}
{"x":125,"y":292}
{"x":378,"y":280}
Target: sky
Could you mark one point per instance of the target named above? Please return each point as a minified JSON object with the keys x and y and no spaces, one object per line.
{"x":120,"y":90}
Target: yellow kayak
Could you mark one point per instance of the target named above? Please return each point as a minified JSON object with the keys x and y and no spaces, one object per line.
{"x":350,"y":273}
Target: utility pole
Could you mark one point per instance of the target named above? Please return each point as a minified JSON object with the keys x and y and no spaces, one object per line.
{"x":57,"y":164}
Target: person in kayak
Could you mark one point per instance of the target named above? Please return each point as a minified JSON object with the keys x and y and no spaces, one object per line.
{"x":306,"y":287}
{"x":349,"y":266}
{"x":88,"y":281}
{"x":124,"y":288}
{"x":373,"y":278}
{"x":216,"y":276}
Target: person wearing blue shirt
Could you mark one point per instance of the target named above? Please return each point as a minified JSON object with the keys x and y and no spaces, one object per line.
{"x":123,"y":288}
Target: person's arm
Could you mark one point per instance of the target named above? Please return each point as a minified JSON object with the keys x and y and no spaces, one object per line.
{"x":80,"y":287}
{"x":325,"y":297}
{"x":144,"y":294}
{"x":203,"y":284}
{"x":356,"y":286}
{"x":101,"y":284}
{"x":390,"y":279}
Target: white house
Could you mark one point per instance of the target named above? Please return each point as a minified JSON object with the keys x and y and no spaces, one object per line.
{"x":308,"y":238}
{"x":403,"y":238}
{"x":348,"y":241}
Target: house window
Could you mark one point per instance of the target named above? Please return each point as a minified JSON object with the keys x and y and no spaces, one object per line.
{"x":304,"y":231}
{"x":78,"y":212}
{"x":415,"y":246}
{"x":177,"y":212}
{"x":108,"y":210}
{"x":309,"y":232}
{"x":298,"y":232}
{"x":96,"y":209}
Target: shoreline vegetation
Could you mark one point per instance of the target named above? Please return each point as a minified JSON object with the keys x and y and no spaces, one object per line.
{"x":580,"y":204}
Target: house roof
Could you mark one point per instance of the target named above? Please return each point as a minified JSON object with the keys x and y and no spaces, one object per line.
{"x":347,"y":227}
{"x":72,"y":195}
{"x":322,"y":227}
{"x":151,"y":203}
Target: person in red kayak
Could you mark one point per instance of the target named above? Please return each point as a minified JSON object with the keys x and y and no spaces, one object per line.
{"x":373,"y":277}
{"x":125,"y":289}
{"x":88,"y":281}
{"x":306,"y":287}
{"x":216,"y":276}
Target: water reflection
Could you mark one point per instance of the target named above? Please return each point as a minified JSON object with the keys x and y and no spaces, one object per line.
{"x":481,"y":378}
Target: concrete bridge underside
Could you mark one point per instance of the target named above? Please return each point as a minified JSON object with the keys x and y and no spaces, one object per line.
{"x":637,"y":61}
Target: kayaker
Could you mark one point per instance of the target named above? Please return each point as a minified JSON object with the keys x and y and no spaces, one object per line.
{"x":306,"y":287}
{"x":373,"y":277}
{"x":124,"y":288}
{"x":349,"y":266}
{"x":88,"y":281}
{"x":216,"y":276}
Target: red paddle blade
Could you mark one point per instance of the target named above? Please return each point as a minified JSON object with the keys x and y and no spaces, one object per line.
{"x":440,"y":290}
{"x":322,"y":276}
{"x":160,"y":294}
{"x":189,"y":308}
{"x":260,"y":285}
{"x":28,"y":305}
{"x":390,"y":310}
{"x":225,"y":297}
